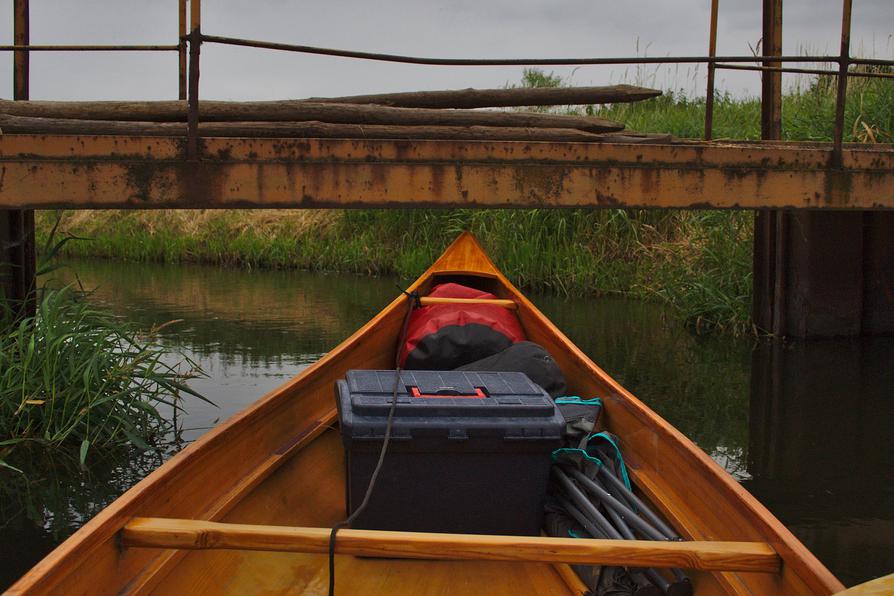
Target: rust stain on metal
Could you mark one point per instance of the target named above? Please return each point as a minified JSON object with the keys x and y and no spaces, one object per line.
{"x":838,"y":186}
{"x":541,"y":184}
{"x":458,"y":178}
{"x":647,"y":182}
{"x":139,"y":178}
{"x":104,"y":172}
{"x":436,"y":184}
{"x":260,"y":182}
{"x":292,"y":180}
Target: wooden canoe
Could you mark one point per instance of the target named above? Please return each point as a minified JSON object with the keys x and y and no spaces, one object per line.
{"x":280,"y":463}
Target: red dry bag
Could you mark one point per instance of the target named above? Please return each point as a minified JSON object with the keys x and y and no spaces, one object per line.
{"x":446,"y":336}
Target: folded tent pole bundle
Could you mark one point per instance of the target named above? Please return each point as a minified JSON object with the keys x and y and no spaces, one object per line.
{"x":601,"y":500}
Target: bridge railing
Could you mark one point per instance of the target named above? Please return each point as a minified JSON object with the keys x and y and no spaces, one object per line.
{"x":191,"y":37}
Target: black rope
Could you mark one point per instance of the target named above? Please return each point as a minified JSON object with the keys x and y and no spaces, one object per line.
{"x":417,"y":303}
{"x":412,"y":302}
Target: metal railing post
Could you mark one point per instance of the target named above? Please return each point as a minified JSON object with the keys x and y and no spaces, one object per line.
{"x":709,"y":94}
{"x":18,"y":254}
{"x":770,"y":226}
{"x":841,"y":98}
{"x":182,"y":32}
{"x":771,"y":81}
{"x":195,"y":41}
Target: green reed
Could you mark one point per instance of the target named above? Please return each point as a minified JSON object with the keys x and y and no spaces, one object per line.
{"x":74,"y":377}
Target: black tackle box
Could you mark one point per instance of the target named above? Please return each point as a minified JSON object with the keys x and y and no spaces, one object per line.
{"x":469,"y":451}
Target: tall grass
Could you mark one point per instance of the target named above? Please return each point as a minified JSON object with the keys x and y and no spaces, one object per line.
{"x":74,"y":377}
{"x":697,"y":261}
{"x":808,"y":112}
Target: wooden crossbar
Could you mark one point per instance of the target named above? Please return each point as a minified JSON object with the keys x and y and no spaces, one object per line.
{"x":197,"y":534}
{"x":430,"y":300}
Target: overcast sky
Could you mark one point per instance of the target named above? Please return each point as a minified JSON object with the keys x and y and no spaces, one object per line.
{"x":447,"y":28}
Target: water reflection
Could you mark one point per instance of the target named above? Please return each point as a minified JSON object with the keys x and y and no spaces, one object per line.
{"x":265,"y":318}
{"x":821,"y":418}
{"x":699,"y":384}
{"x":804,"y":426}
{"x":53,"y":497}
{"x":249,"y":331}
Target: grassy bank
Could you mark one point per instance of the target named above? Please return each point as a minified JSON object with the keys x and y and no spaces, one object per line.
{"x":697,"y":261}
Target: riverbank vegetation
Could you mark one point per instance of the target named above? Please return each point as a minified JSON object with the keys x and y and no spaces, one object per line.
{"x":74,"y":378}
{"x":697,"y":261}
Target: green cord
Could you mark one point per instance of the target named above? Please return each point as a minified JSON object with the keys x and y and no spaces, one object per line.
{"x":574,"y":399}
{"x":607,"y":437}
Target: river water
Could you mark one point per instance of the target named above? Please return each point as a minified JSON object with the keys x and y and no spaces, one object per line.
{"x":805,"y":426}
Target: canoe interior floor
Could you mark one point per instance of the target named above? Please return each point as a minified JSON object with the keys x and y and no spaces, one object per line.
{"x":309,"y":491}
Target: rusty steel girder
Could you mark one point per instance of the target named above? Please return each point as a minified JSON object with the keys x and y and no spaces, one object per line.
{"x":56,"y":171}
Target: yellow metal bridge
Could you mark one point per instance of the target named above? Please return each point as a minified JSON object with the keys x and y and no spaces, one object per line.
{"x":47,"y":170}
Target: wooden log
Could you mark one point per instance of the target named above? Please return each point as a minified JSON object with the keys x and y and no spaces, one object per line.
{"x":639,"y":138}
{"x":26,"y":125}
{"x":296,"y":111}
{"x":497,"y":98}
{"x":196,"y":535}
{"x":123,"y":111}
{"x":432,"y":300}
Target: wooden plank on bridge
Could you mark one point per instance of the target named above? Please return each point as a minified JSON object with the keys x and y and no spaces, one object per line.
{"x":59,"y":171}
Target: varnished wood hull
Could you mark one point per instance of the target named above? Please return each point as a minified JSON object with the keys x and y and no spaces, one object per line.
{"x":280,"y":462}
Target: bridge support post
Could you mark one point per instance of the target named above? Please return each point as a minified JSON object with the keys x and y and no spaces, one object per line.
{"x":878,"y":273}
{"x":832,"y":274}
{"x":770,"y":226}
{"x":818,"y":274}
{"x":17,"y":248}
{"x":17,"y":260}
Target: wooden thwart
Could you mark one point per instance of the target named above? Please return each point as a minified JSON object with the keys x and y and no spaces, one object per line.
{"x":430,"y":300}
{"x":197,"y":535}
